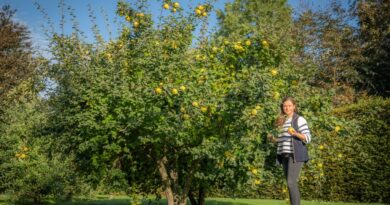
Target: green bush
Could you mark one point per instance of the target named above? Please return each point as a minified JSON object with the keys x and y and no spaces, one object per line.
{"x":29,"y":170}
{"x":363,"y":173}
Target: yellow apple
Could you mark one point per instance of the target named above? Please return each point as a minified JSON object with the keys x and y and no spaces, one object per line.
{"x":128,"y":18}
{"x":238,"y":48}
{"x":158,"y":90}
{"x":274,"y":72}
{"x":253,"y":112}
{"x":265,"y":44}
{"x":135,"y":24}
{"x":186,"y":117}
{"x":254,"y":171}
{"x":174,"y":45}
{"x":175,"y":91}
{"x":195,"y":104}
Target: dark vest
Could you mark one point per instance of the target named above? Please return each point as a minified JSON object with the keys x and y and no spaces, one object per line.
{"x":300,"y":150}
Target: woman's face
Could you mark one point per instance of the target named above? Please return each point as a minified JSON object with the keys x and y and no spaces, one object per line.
{"x":288,"y":108}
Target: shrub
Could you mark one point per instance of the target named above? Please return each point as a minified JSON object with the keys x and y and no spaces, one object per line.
{"x":363,"y":173}
{"x":29,"y":170}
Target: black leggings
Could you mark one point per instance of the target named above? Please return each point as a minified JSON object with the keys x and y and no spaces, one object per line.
{"x":291,"y":171}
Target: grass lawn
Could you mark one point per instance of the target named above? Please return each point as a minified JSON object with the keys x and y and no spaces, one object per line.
{"x":124,"y":200}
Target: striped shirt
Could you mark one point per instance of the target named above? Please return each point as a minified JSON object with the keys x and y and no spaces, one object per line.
{"x":285,"y":139}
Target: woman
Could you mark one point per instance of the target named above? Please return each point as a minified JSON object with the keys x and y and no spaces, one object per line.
{"x":291,"y":145}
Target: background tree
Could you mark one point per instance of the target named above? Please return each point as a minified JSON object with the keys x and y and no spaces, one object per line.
{"x":374,"y":38}
{"x":329,"y":42}
{"x":349,"y":44}
{"x":29,"y":169}
{"x":16,"y":60}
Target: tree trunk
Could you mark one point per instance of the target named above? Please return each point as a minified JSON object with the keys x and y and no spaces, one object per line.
{"x":176,"y":193}
{"x":202,"y":196}
{"x":182,"y":201}
{"x":173,"y":192}
{"x":192,"y":198}
{"x":165,"y":180}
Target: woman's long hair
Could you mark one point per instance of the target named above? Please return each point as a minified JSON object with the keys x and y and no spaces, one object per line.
{"x":282,"y":116}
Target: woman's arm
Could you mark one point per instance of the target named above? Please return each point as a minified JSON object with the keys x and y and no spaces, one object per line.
{"x":299,"y":136}
{"x":271,"y":139}
{"x":303,"y":132}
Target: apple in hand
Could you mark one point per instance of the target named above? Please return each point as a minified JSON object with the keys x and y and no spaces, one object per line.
{"x":291,"y":130}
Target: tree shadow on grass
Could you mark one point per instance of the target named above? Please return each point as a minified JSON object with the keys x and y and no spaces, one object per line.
{"x":99,"y":201}
{"x":144,"y":202}
{"x":102,"y":200}
{"x":214,"y":202}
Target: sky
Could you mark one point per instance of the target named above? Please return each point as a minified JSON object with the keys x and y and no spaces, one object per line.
{"x":28,"y":14}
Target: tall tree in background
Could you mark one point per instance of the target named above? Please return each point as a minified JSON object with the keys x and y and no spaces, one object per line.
{"x":374,"y":29}
{"x":329,"y":41}
{"x":16,"y":61}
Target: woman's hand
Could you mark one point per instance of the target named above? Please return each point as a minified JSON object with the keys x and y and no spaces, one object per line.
{"x":291,"y":131}
{"x":271,"y":138}
{"x":294,"y":133}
